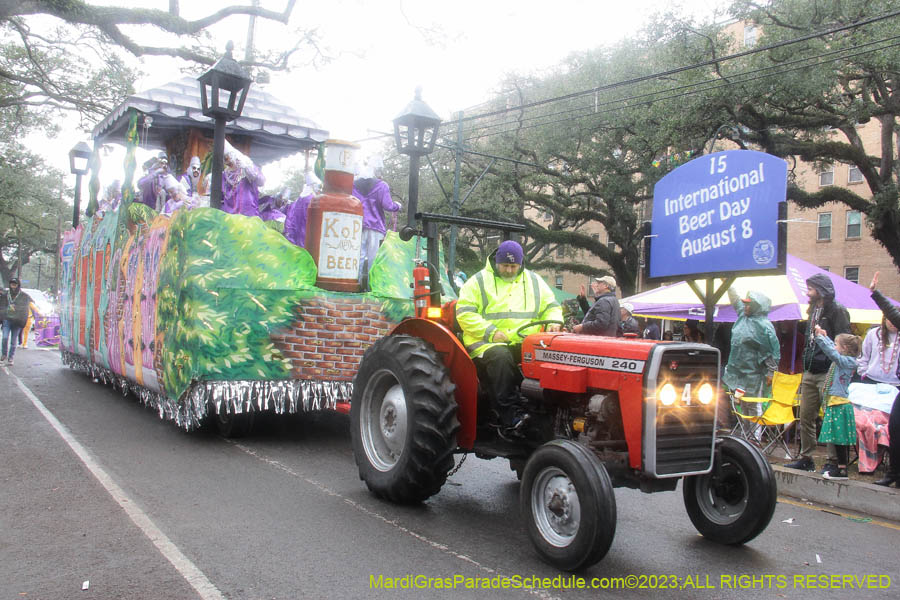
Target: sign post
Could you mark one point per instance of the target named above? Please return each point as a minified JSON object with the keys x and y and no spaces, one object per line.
{"x":720,"y":215}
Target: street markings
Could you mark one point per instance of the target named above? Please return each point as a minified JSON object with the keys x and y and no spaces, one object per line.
{"x":443,"y":548}
{"x":193,"y":575}
{"x":835,"y":511}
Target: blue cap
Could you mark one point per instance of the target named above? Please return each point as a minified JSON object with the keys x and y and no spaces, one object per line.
{"x":509,"y":252}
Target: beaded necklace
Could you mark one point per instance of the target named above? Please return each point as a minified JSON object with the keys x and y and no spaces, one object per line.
{"x":894,"y":346}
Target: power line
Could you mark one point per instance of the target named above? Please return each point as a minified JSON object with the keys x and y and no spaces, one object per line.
{"x":776,"y":70}
{"x":649,"y":97}
{"x":707,"y":86}
{"x":681,"y":69}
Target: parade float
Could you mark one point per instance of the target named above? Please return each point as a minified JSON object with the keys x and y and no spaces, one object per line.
{"x":203,"y":314}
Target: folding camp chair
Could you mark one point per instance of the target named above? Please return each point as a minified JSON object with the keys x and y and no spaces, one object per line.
{"x":768,"y":430}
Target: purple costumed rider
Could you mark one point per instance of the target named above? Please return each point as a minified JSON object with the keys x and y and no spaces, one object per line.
{"x":375,"y":196}
{"x":271,"y":208}
{"x":241,"y":180}
{"x":190,"y":179}
{"x":152,"y":186}
{"x":297,"y":211}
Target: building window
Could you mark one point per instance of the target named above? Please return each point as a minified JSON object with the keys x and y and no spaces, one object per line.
{"x":548,"y":216}
{"x":610,"y":244}
{"x":825,"y":268}
{"x":826,"y":177}
{"x":750,"y":35}
{"x":559,"y":282}
{"x":854,"y":224}
{"x":824,"y":232}
{"x":855,"y":175}
{"x":560,"y":251}
{"x":595,"y":237}
{"x":851,"y":274}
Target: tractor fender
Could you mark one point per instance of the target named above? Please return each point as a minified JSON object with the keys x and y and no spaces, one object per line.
{"x":462,"y":371}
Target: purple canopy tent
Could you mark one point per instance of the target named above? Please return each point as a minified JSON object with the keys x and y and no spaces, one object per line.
{"x":787,"y":292}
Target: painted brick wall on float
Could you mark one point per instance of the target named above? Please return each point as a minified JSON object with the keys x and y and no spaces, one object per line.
{"x":330,"y":336}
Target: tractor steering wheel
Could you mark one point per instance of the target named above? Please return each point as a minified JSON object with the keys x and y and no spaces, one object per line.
{"x":535,"y":323}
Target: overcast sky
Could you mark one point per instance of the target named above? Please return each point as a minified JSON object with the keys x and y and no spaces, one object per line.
{"x":382,"y":49}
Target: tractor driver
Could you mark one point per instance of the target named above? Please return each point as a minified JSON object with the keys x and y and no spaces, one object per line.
{"x":493,"y":304}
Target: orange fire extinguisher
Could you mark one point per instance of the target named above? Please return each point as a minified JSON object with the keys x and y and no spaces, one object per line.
{"x":421,"y":289}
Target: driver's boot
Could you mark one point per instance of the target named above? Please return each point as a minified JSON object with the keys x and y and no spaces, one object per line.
{"x":513,"y":417}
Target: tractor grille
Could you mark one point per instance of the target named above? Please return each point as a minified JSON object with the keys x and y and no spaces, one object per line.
{"x":685,"y":431}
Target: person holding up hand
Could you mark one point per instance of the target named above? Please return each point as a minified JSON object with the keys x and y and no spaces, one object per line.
{"x":892,"y":314}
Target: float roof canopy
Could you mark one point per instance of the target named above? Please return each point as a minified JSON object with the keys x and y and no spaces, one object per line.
{"x":276,"y":130}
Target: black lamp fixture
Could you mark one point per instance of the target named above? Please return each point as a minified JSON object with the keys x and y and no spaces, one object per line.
{"x":223,"y":91}
{"x":79,"y":162}
{"x":416,"y":128}
{"x":415,"y":132}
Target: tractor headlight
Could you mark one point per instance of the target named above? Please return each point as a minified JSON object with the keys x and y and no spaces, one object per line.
{"x":667,"y":394}
{"x":706,"y":393}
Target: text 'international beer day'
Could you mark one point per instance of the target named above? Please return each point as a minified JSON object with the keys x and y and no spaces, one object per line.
{"x":719,"y":225}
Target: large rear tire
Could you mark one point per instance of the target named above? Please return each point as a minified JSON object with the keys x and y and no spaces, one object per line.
{"x":733,"y":503}
{"x":403,"y":419}
{"x":569,"y":505}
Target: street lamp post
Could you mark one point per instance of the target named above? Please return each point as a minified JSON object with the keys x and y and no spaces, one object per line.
{"x":223,"y":91}
{"x":79,"y":159}
{"x":415,"y":131}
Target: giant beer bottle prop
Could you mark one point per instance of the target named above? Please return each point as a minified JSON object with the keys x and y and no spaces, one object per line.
{"x":334,"y":222}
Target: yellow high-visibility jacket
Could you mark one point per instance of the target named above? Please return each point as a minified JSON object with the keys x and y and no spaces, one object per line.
{"x":487,"y":303}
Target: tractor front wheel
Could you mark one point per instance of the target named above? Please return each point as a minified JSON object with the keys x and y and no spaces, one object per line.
{"x":733,"y":503}
{"x":568,"y":501}
{"x":403,"y":419}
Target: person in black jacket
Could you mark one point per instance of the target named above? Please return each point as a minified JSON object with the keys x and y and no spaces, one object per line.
{"x":628,"y":324}
{"x":13,"y":312}
{"x":831,"y":316}
{"x":603,"y":317}
{"x":893,"y":315}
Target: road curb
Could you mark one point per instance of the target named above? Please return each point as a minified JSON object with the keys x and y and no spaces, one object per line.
{"x":858,"y":496}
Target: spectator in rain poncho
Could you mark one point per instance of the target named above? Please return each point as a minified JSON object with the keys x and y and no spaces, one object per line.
{"x":241,"y":180}
{"x":375,"y":196}
{"x":296,"y":212}
{"x":754,"y":345}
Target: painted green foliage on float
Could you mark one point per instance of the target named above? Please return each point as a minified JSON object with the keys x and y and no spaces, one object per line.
{"x":226,"y":282}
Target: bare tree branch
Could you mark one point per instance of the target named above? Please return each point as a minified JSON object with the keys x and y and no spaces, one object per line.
{"x":76,"y":11}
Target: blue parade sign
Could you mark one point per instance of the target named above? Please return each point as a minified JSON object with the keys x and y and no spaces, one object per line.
{"x":718,"y":214}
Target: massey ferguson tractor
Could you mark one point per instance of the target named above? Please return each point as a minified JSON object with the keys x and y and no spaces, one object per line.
{"x":605,"y":412}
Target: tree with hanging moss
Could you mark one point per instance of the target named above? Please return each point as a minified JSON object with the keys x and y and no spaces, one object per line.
{"x":815,"y":108}
{"x":30,"y":200}
{"x":77,"y":56}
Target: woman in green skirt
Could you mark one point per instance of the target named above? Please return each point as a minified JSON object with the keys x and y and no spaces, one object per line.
{"x":838,"y":424}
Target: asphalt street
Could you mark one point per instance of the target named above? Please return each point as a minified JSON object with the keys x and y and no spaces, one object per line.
{"x":98,"y":489}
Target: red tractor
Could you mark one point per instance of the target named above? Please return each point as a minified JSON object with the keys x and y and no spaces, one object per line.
{"x":606,"y":412}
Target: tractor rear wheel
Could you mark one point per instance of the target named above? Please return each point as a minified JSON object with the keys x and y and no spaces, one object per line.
{"x":403,"y":419}
{"x":733,"y":503}
{"x":569,"y":505}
